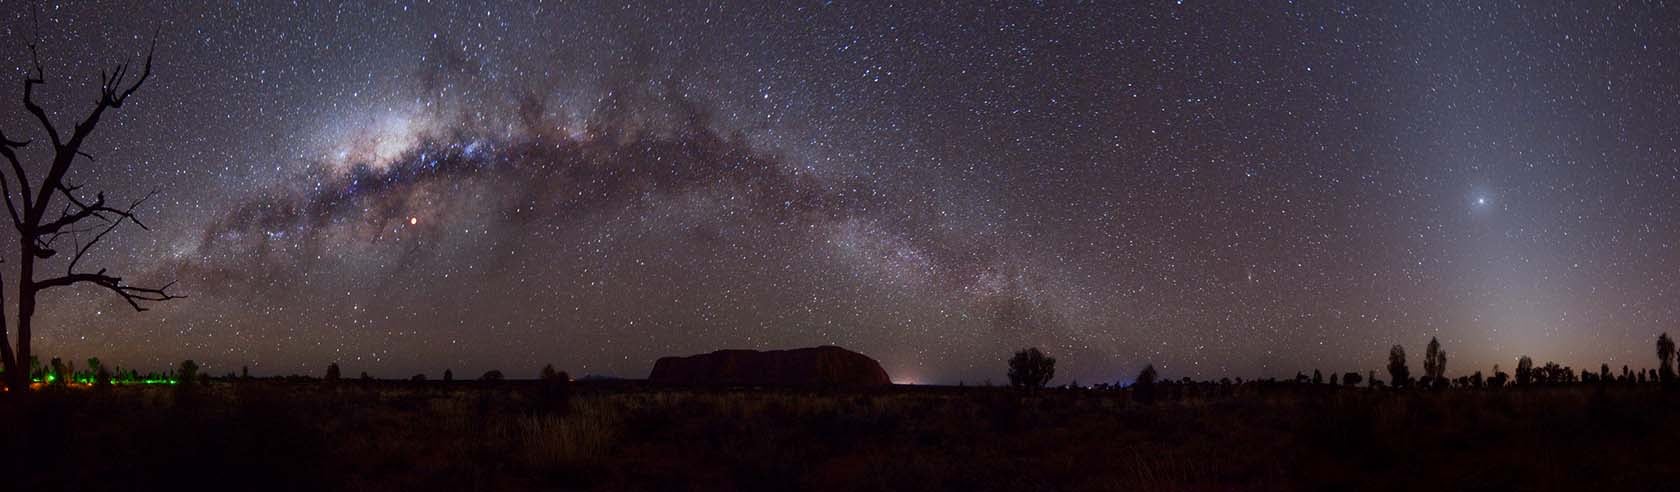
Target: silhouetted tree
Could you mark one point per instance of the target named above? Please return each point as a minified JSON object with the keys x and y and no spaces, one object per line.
{"x":448,"y":375}
{"x":1397,"y":370}
{"x":1334,"y":381}
{"x":1031,"y":369}
{"x":186,"y":378}
{"x":1552,"y":373}
{"x":1525,"y":371}
{"x":1665,"y":357}
{"x":418,"y":378}
{"x":1476,"y":380}
{"x":1352,"y":379}
{"x":365,"y":377}
{"x":101,"y":377}
{"x":546,"y":373}
{"x":1143,"y":388}
{"x":1318,"y":378}
{"x":85,"y":221}
{"x":1441,"y":368}
{"x":1371,"y":379}
{"x":1434,"y":363}
{"x":59,"y":375}
{"x":1604,"y":373}
{"x":332,"y":372}
{"x":492,"y":375}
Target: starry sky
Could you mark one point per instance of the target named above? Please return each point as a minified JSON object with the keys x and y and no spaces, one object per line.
{"x":1216,"y":188}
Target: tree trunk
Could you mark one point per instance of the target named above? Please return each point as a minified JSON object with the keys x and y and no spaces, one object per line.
{"x":25,"y":313}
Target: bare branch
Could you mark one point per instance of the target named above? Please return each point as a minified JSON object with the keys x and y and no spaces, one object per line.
{"x":123,"y":215}
{"x":6,"y":149}
{"x":66,"y":232}
{"x":85,"y":211}
{"x":112,"y":95}
{"x":131,"y":294}
{"x":29,"y":83}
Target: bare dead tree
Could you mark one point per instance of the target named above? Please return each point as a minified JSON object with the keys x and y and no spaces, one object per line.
{"x":30,"y":205}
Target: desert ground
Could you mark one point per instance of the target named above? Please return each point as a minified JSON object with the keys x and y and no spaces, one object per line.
{"x":277,"y":434}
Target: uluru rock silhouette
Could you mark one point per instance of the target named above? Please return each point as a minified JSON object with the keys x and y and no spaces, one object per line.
{"x":813,"y":366}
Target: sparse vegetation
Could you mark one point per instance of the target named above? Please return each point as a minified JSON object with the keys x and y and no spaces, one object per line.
{"x":277,"y":434}
{"x":295,"y":432}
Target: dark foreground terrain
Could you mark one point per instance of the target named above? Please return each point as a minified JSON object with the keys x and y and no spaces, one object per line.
{"x":274,"y":435}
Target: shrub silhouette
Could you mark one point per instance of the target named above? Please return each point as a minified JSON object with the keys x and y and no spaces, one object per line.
{"x":332,"y":372}
{"x":1352,"y":379}
{"x":1665,"y":357}
{"x":1143,"y":388}
{"x":418,"y":378}
{"x":555,"y":396}
{"x":492,"y":375}
{"x":366,"y":377}
{"x":1397,"y":370}
{"x":448,"y":375}
{"x":1031,"y":369}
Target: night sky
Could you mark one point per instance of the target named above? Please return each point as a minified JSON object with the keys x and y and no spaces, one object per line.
{"x":1216,"y":188}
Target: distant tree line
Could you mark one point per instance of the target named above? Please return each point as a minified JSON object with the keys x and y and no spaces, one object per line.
{"x":1032,"y":369}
